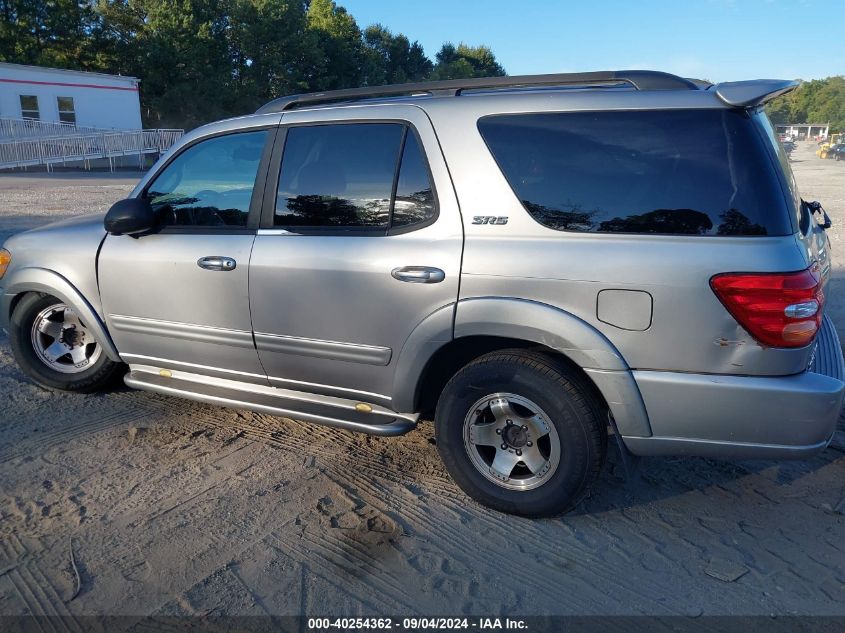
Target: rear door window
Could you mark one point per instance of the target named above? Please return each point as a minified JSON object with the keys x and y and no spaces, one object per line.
{"x":338,"y":176}
{"x":369,"y":178}
{"x":414,"y":201}
{"x":683,"y":172}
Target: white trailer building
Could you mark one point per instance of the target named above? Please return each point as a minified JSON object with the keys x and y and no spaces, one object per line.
{"x":804,"y":131}
{"x":68,"y":96}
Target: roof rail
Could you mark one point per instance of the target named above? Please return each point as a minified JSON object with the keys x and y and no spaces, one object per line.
{"x":639,"y":79}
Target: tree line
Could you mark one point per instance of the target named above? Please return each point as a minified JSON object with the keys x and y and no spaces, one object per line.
{"x":816,"y":101}
{"x":201,"y":60}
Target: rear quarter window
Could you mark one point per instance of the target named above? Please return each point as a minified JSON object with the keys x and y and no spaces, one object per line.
{"x":671,"y":172}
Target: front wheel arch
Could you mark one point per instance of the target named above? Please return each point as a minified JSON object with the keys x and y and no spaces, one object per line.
{"x":48,"y":282}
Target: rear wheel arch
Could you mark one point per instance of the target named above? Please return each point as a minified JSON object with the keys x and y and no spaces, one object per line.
{"x":491,"y":324}
{"x":460,"y":352}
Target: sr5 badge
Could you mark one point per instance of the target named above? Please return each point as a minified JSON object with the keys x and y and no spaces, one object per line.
{"x":490,"y":219}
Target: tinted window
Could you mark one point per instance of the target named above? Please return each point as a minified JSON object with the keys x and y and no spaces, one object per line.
{"x":802,"y":214}
{"x":414,"y":203}
{"x":691,"y":172}
{"x":209,"y":184}
{"x":338,"y":176}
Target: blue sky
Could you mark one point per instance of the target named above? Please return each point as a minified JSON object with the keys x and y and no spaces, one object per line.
{"x":720,"y":40}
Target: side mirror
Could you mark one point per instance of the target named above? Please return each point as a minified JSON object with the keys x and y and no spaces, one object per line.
{"x":130,"y":217}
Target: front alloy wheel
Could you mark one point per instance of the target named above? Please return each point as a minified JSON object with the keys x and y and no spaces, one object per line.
{"x":62,"y":342}
{"x":56,"y":349}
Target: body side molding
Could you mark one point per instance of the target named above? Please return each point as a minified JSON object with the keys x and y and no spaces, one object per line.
{"x":185,"y":331}
{"x":318,"y":348}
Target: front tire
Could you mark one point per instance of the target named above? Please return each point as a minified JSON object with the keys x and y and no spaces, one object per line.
{"x":55,"y":349}
{"x":521,"y":433}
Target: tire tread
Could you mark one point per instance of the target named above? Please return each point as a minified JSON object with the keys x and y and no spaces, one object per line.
{"x":579,"y":393}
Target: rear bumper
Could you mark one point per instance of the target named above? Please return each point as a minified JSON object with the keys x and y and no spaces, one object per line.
{"x":744,"y":416}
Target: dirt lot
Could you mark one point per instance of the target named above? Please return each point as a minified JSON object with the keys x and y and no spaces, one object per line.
{"x":134,"y":503}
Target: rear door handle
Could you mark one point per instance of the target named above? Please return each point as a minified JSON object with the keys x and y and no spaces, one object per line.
{"x":216,"y":262}
{"x":419,"y":274}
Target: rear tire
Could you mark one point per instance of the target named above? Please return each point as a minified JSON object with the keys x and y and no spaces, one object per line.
{"x":55,"y":349}
{"x":521,"y":433}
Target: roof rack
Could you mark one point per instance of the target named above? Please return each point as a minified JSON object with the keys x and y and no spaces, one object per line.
{"x":638,"y":79}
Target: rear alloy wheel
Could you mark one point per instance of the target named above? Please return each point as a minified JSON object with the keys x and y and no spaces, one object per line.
{"x":510,"y":441}
{"x":532,"y":443}
{"x":55,"y":347}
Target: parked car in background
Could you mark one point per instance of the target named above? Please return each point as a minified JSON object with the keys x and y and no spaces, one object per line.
{"x":540,"y":261}
{"x":837,"y":152}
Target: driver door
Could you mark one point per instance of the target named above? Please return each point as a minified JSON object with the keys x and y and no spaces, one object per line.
{"x":178,"y":298}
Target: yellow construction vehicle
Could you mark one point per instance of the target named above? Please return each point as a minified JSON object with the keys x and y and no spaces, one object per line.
{"x":822,"y":151}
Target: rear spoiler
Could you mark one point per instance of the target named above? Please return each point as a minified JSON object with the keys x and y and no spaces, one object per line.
{"x":748,"y":94}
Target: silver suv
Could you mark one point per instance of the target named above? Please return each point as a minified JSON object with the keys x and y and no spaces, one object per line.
{"x":539,"y":260}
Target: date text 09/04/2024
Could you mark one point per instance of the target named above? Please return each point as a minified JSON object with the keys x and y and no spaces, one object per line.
{"x":415,"y":624}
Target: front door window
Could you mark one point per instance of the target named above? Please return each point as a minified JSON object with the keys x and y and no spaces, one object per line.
{"x":209,"y":184}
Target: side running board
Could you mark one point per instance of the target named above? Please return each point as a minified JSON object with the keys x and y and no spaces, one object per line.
{"x":329,"y":411}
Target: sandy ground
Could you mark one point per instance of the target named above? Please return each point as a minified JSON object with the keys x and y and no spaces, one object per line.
{"x":135,"y":503}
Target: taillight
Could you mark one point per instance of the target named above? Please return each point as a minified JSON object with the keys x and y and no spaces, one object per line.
{"x":777,"y":309}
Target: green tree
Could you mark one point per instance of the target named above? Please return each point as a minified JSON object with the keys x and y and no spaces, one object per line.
{"x":816,"y":101}
{"x":271,"y":51}
{"x":200,"y":60}
{"x":392,"y":59}
{"x":463,"y":62}
{"x":47,"y":33}
{"x":338,"y":39}
{"x":179,"y":49}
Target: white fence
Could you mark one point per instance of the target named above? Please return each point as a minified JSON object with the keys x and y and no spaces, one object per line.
{"x":27,"y":128}
{"x":34,"y":145}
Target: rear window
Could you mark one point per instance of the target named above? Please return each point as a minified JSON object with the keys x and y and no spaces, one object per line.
{"x":794,"y":198}
{"x":676,"y":172}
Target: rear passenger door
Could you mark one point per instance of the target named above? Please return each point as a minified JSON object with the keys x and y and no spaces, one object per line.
{"x":360,"y":241}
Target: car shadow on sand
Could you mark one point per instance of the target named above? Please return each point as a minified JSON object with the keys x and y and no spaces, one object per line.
{"x":654,"y":479}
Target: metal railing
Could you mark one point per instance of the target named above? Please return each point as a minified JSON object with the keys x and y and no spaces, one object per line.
{"x":85,"y":147}
{"x":49,"y":151}
{"x":27,"y":128}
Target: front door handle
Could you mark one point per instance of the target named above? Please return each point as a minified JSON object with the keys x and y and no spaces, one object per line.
{"x":419,"y":274}
{"x":216,"y":262}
